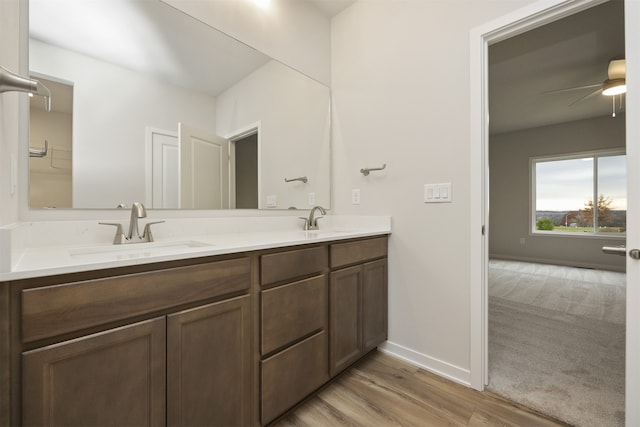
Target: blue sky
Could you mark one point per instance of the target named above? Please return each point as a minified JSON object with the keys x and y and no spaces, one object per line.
{"x":564,"y":185}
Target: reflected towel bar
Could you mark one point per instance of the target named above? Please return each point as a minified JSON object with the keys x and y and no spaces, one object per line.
{"x":302,"y":178}
{"x":365,"y":171}
{"x":40,"y":153}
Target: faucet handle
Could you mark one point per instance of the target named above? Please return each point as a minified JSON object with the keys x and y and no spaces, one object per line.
{"x":315,"y":222}
{"x":306,"y":222}
{"x":119,"y":237}
{"x":146,"y":234}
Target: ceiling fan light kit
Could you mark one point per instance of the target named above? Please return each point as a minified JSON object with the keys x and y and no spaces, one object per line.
{"x":612,"y":87}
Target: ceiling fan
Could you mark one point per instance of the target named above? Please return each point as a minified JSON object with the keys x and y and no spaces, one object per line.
{"x":614,"y":85}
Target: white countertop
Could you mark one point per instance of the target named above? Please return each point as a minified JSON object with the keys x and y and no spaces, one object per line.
{"x":42,"y":256}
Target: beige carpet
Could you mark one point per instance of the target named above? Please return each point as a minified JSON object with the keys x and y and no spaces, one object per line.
{"x":556,"y":340}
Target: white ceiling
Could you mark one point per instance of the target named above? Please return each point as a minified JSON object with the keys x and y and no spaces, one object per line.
{"x":571,"y":52}
{"x":149,"y":37}
{"x":153,"y":38}
{"x":331,"y":8}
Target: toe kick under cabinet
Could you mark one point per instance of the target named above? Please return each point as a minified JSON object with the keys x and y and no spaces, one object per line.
{"x":229,"y":340}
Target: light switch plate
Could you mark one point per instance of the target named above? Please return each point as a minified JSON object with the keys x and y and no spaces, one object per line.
{"x":438,"y":193}
{"x":355,"y":196}
{"x":312,"y":199}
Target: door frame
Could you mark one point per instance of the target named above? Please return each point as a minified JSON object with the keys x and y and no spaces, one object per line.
{"x":522,"y":20}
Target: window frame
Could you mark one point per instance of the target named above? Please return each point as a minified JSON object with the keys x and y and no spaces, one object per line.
{"x":595,"y":154}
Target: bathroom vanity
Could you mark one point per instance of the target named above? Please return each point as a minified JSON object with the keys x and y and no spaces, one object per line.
{"x":233,"y":338}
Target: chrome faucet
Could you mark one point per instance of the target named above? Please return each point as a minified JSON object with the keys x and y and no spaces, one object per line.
{"x":133,"y":236}
{"x":311,"y":223}
{"x":137,"y":211}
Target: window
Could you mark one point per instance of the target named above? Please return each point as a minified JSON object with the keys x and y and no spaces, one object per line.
{"x":584,"y":193}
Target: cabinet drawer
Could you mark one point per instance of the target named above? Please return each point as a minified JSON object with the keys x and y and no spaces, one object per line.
{"x":292,"y":311}
{"x":60,"y":309}
{"x":288,"y":265}
{"x":293,"y":374}
{"x":355,"y":252}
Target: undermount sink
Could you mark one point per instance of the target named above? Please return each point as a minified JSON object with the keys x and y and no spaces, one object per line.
{"x":134,"y":250}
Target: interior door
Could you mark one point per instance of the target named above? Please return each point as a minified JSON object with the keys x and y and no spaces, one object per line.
{"x":204,"y":169}
{"x":165,"y":173}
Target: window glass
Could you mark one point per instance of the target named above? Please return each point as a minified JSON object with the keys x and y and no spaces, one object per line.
{"x":562,"y":189}
{"x":578,"y":194}
{"x":612,"y":194}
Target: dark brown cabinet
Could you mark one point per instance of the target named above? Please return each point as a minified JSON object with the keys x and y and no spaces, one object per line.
{"x":294,"y":339}
{"x":209,"y":365}
{"x":182,"y":368}
{"x":114,"y":378}
{"x":358,"y":301}
{"x":374,"y":304}
{"x":233,"y":340}
{"x":346,"y":321}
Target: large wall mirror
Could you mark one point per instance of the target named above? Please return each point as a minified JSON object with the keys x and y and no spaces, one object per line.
{"x":152,"y":105}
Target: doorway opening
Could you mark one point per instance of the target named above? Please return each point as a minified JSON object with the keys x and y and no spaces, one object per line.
{"x":556,"y":333}
{"x":510,"y":26}
{"x":244,"y":170}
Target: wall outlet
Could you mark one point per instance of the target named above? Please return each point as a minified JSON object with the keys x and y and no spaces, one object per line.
{"x":272,"y":202}
{"x":522,"y":240}
{"x":355,"y":196}
{"x":312,"y":199}
{"x":13,"y":185}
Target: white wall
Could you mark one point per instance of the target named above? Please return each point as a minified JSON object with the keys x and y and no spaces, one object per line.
{"x":291,"y":31}
{"x":400,"y":79}
{"x":109,"y":122}
{"x":9,"y":58}
{"x":509,"y":156}
{"x":294,"y":115}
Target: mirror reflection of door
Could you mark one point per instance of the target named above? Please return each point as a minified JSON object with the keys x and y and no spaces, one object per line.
{"x":50,"y":184}
{"x":164,"y":177}
{"x":204,"y":169}
{"x":244,"y":173}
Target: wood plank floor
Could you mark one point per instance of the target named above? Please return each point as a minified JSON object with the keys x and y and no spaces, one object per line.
{"x":384,"y":391}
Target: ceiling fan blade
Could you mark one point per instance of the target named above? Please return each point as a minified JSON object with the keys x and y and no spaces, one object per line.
{"x":571,"y":89}
{"x":587,"y":96}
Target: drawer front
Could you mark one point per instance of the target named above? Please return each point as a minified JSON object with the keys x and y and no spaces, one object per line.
{"x":293,"y":311}
{"x":289,"y":265}
{"x":293,"y":374}
{"x":356,"y":252}
{"x":60,"y":309}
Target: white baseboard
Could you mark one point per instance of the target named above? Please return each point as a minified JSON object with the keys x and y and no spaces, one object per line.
{"x":444,"y":369}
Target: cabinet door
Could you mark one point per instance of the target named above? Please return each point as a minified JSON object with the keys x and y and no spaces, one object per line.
{"x":113,"y":378}
{"x":208,"y":365}
{"x":345,"y":319}
{"x":374,"y":304}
